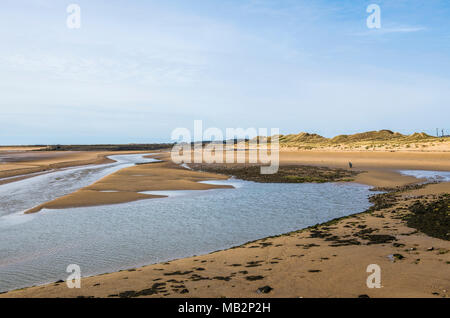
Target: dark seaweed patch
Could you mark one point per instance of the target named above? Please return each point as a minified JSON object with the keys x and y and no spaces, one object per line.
{"x":431,"y":218}
{"x":252,"y":278}
{"x":285,"y":174}
{"x":178,"y":273}
{"x":264,"y":290}
{"x":156,"y":288}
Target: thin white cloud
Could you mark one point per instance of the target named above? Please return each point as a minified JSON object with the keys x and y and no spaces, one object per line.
{"x":404,"y":30}
{"x":390,"y":30}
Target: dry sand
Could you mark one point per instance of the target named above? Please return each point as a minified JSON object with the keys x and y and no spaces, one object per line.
{"x":294,"y":265}
{"x":370,"y":160}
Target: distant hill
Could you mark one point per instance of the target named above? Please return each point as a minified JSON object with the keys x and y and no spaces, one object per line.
{"x":369,"y":138}
{"x":303,"y":138}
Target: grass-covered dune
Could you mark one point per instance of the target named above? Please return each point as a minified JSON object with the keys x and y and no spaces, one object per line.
{"x":367,"y":140}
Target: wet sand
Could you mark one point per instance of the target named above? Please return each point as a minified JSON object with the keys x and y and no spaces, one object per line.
{"x":20,"y":163}
{"x":379,"y":170}
{"x":326,"y":261}
{"x":127,"y":184}
{"x":381,"y":167}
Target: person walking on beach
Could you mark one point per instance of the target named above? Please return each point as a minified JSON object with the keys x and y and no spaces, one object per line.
{"x":350,"y":164}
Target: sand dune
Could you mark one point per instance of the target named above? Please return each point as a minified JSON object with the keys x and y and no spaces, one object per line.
{"x":382,"y":140}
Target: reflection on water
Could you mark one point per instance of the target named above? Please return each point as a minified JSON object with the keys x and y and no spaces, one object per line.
{"x":37,"y":248}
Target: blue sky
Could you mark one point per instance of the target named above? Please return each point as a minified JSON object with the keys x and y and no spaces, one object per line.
{"x":136,"y":70}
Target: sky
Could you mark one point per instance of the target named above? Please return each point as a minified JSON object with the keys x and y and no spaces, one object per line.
{"x":136,"y":70}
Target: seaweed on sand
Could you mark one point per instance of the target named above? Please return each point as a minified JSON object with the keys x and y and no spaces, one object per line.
{"x":431,"y":218}
{"x":285,"y":174}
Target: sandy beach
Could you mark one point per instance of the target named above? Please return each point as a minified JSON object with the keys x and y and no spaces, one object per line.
{"x":297,"y":264}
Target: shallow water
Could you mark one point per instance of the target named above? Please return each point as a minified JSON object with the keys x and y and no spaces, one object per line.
{"x":25,"y":194}
{"x":441,"y":176}
{"x":37,"y":248}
